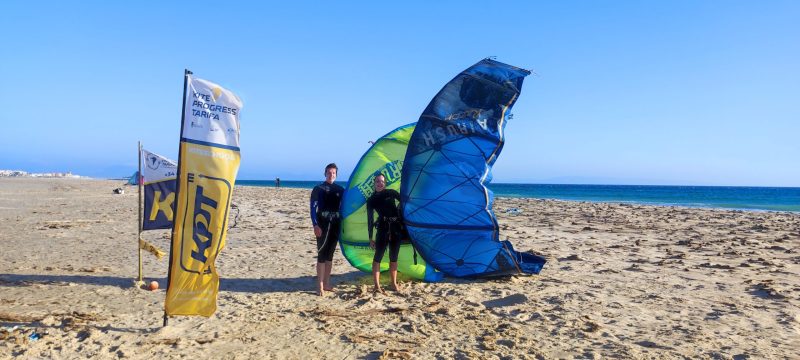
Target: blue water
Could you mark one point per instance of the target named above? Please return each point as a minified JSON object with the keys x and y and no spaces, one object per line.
{"x":726,"y":197}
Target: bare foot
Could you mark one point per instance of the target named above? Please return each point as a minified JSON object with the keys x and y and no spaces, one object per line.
{"x":321,"y":292}
{"x":378,"y":290}
{"x":396,"y":287}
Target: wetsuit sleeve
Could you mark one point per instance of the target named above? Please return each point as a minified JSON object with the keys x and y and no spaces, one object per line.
{"x":370,"y":210}
{"x":314,"y":205}
{"x":394,"y":195}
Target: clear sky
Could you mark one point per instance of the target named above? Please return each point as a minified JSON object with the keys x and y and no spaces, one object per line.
{"x":625,"y":92}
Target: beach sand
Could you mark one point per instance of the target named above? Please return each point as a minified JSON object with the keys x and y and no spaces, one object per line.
{"x":622,"y":281}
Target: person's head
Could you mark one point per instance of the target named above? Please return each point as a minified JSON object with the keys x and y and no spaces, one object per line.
{"x":380,"y":182}
{"x":330,"y":173}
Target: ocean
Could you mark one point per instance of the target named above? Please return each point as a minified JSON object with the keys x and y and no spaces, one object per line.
{"x":723,"y":197}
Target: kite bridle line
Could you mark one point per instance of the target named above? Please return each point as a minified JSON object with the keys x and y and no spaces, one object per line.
{"x":327,"y":232}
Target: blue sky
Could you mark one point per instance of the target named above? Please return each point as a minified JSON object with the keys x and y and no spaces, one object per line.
{"x":625,"y":92}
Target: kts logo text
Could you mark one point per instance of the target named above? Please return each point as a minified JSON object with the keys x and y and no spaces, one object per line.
{"x":162,"y":204}
{"x":204,"y":222}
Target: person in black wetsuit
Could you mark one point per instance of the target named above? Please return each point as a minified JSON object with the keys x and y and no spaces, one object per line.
{"x":389,"y":227}
{"x":325,"y":200}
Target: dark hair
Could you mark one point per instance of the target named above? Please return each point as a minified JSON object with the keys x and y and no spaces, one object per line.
{"x":376,"y":177}
{"x":331,"y":166}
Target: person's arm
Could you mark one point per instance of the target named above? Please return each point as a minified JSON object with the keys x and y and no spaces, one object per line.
{"x":370,"y":210}
{"x":314,"y":205}
{"x":396,"y":196}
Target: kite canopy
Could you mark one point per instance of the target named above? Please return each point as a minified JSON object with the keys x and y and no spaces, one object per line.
{"x":447,"y":207}
{"x":384,"y":156}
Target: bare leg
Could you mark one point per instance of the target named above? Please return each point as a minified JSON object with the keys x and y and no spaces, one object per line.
{"x":327,"y":280}
{"x":321,"y":278}
{"x":393,"y":274}
{"x":376,"y":277}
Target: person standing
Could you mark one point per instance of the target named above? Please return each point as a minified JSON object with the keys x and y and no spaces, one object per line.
{"x":389,"y":227}
{"x":325,"y":200}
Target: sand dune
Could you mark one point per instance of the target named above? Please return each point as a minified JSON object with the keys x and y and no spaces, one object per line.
{"x":622,"y":281}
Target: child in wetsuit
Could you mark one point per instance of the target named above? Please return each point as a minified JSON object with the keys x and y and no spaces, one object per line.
{"x":389,"y":227}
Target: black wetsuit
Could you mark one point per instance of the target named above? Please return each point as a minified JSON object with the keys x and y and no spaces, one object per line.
{"x":389,"y":224}
{"x":325,"y":200}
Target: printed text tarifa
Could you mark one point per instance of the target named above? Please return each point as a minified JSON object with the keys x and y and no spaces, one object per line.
{"x":206,"y":108}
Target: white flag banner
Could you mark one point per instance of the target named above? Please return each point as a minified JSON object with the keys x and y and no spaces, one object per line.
{"x":156,"y":167}
{"x":212,"y":114}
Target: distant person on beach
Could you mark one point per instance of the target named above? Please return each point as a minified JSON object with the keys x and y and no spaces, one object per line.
{"x":389,"y":228}
{"x":277,"y":182}
{"x":325,"y":200}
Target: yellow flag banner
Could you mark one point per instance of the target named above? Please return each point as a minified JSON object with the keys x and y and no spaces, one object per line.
{"x":207,"y":166}
{"x":144,"y":245}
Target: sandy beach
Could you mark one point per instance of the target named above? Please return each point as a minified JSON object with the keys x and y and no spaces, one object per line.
{"x":622,"y":281}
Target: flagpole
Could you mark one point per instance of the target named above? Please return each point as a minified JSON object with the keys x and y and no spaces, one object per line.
{"x":139,"y":177}
{"x":186,"y":74}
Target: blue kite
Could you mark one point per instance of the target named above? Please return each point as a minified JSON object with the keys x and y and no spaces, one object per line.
{"x":446,"y":206}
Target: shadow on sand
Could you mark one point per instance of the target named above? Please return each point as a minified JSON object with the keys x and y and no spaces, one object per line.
{"x":262,"y":285}
{"x":28,"y":280}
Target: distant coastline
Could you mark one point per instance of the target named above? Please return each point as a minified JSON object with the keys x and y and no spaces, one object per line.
{"x":20,"y":173}
{"x":715,"y":197}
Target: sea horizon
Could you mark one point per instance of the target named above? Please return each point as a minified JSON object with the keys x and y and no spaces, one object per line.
{"x":751,"y":198}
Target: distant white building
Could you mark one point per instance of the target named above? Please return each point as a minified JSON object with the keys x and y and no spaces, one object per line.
{"x":12,"y":173}
{"x":20,"y":173}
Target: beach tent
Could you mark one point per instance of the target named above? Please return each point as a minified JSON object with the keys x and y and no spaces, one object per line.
{"x":134,"y":179}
